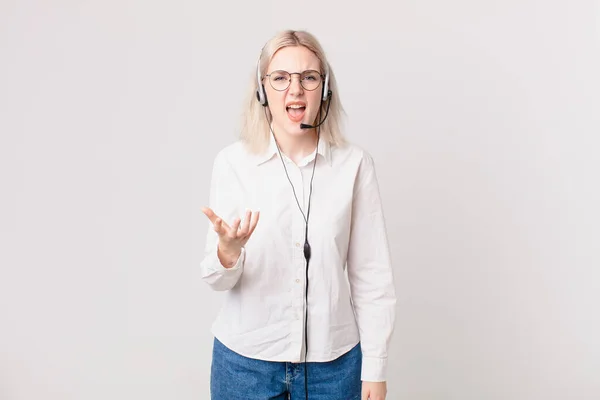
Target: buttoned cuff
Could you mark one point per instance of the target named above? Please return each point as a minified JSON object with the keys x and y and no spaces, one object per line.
{"x":374,"y":369}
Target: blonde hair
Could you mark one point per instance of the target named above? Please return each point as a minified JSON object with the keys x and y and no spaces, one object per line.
{"x":255,"y":126}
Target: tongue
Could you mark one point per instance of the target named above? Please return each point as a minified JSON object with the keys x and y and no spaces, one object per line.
{"x":295,"y":112}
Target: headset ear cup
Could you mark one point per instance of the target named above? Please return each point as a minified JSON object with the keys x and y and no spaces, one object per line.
{"x":265,"y":102}
{"x":261,"y":95}
{"x":326,"y":92}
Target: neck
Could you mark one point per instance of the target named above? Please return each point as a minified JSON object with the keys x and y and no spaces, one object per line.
{"x":296,"y":147}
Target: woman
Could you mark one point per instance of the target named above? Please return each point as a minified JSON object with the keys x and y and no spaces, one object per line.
{"x":293,"y":209}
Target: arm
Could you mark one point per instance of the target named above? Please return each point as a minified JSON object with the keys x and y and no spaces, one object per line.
{"x":370,"y":274}
{"x":221,"y":269}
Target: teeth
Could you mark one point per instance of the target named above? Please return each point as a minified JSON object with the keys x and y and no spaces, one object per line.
{"x":295,"y":106}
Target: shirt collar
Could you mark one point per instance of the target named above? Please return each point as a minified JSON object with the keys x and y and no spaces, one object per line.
{"x":324,"y":149}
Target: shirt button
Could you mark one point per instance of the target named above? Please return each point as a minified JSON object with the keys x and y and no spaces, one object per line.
{"x":297,"y":280}
{"x":297,"y":244}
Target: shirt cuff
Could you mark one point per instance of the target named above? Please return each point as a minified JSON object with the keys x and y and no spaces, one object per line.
{"x":374,"y":369}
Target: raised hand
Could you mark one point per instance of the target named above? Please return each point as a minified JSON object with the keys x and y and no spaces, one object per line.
{"x":232,"y":238}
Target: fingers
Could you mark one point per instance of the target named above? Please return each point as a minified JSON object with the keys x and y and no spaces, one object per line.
{"x":239,"y":229}
{"x":253,"y":222}
{"x":215,"y":219}
{"x":218,"y":227}
{"x":233,"y":232}
{"x":364,"y":392}
{"x":210,"y":214}
{"x":245,"y":226}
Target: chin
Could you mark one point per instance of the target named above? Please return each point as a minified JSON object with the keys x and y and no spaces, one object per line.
{"x":295,"y":130}
{"x":292,"y":128}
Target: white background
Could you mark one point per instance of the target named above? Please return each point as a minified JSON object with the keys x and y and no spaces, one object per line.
{"x":483,"y":118}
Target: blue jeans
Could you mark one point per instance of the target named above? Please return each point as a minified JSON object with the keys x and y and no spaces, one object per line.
{"x":235,"y":377}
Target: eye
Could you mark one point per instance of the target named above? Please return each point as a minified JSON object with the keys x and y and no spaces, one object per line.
{"x":311,"y":76}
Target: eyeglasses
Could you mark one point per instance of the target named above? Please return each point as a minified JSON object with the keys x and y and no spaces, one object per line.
{"x":280,"y":80}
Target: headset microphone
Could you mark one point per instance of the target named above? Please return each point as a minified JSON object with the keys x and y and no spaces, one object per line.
{"x":307,"y":126}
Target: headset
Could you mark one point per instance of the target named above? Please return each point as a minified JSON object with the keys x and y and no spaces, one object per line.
{"x":261,"y":95}
{"x":326,"y":94}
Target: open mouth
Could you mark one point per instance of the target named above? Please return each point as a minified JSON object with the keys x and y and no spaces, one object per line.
{"x":295,"y":112}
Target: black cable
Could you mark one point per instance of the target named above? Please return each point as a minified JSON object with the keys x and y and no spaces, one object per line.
{"x":307,"y":248}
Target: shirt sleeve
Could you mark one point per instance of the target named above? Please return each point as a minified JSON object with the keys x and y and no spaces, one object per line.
{"x":370,"y":274}
{"x":223,"y":192}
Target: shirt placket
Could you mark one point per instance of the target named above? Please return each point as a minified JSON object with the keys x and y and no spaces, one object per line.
{"x":298,"y":261}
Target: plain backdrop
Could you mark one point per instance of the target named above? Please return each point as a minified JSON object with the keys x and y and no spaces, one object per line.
{"x":483,"y":118}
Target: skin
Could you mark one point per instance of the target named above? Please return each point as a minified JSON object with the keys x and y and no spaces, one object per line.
{"x":373,"y":390}
{"x":294,"y":142}
{"x":232,"y":238}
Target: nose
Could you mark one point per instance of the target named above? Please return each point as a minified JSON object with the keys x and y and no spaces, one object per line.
{"x":295,"y":86}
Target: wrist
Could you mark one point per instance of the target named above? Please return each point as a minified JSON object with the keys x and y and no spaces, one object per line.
{"x":228,"y":257}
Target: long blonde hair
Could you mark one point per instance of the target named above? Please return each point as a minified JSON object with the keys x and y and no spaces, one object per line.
{"x":255,"y":127}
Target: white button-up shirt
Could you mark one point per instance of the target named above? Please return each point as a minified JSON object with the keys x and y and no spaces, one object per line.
{"x":351,"y":294}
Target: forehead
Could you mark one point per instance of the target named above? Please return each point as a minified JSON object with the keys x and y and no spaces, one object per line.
{"x":294,"y":59}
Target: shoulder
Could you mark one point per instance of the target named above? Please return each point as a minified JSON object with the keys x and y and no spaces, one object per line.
{"x":357,"y":163}
{"x":233,"y":155}
{"x":352,"y":153}
{"x":232,"y":150}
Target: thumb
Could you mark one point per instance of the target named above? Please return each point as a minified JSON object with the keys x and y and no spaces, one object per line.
{"x":210,"y":214}
{"x":216,"y":220}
